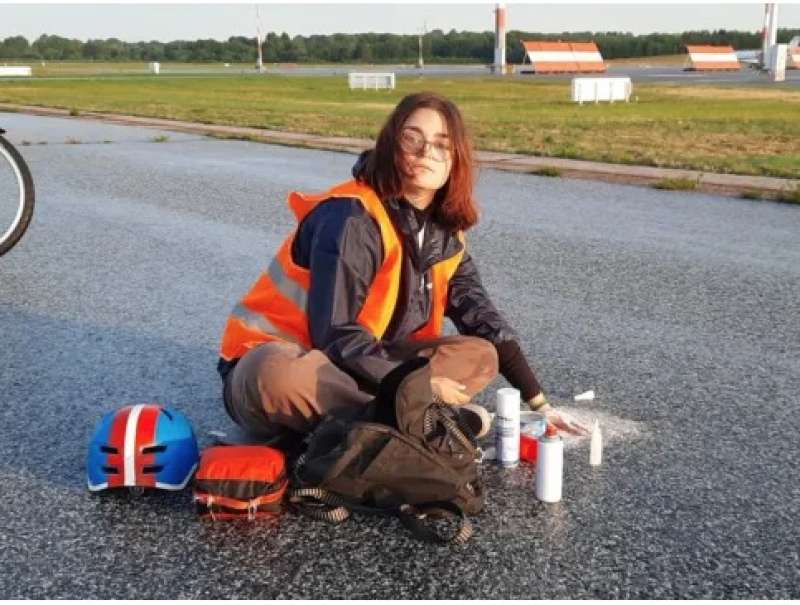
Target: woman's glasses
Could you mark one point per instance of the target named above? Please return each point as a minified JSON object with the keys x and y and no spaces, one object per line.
{"x":412,"y":141}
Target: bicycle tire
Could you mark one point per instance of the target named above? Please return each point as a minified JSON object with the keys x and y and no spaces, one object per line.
{"x":9,"y":236}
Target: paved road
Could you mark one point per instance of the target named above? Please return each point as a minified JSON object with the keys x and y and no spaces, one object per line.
{"x":653,"y":74}
{"x":680,"y":310}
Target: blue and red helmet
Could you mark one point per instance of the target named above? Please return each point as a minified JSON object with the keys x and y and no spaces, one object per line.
{"x":142,"y":445}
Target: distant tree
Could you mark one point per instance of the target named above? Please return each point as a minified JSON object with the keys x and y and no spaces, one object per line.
{"x":300,"y":50}
{"x":57,"y":48}
{"x":363,"y":51}
{"x":15,"y":47}
{"x":453,"y":46}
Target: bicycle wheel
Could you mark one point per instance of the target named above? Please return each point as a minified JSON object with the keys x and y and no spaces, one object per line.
{"x":16,"y":196}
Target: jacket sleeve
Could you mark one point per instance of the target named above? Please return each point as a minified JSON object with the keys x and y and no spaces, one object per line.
{"x":344,"y":255}
{"x":470,"y":308}
{"x":474,"y":314}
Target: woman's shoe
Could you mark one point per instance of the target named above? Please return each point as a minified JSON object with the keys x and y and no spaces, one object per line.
{"x":475,"y":418}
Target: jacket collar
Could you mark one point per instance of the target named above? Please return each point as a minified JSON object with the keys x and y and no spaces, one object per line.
{"x":438,"y":244}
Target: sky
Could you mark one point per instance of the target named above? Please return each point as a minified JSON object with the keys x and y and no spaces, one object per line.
{"x":166,"y":22}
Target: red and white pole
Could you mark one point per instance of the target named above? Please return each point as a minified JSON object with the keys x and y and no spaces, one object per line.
{"x":770,"y":36}
{"x":500,"y":39}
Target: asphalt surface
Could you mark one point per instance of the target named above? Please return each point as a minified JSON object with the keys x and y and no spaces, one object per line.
{"x":650,"y":74}
{"x":679,"y":309}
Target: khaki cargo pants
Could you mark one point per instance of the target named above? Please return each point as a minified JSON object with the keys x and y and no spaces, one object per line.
{"x":280,"y":385}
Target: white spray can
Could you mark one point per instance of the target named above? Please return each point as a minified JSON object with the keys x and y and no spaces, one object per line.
{"x":596,"y":445}
{"x":507,"y":426}
{"x":550,"y":466}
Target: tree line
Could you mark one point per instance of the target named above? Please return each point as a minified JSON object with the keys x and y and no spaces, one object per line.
{"x":438,"y":46}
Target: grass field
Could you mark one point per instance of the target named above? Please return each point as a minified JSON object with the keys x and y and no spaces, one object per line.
{"x":743,"y":130}
{"x":107,"y":69}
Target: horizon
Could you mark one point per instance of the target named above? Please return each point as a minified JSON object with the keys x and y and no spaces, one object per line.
{"x":170,"y":23}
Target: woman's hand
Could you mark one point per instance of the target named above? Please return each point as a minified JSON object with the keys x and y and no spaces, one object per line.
{"x":448,"y":390}
{"x":561,"y":421}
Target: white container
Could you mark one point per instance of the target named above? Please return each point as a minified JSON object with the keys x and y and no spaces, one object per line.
{"x":594,"y":90}
{"x":15,"y":70}
{"x":596,"y":445}
{"x":507,"y":426}
{"x":587,"y":396}
{"x":371,"y":80}
{"x":550,"y":467}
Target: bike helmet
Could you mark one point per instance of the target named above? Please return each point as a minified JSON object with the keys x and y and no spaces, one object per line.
{"x":142,"y":445}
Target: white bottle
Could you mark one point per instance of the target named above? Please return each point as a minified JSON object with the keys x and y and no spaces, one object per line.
{"x":507,"y":426}
{"x":596,"y":445}
{"x":550,"y":466}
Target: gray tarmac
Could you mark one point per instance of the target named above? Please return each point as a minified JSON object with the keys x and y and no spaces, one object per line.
{"x":651,"y":74}
{"x":678,"y":309}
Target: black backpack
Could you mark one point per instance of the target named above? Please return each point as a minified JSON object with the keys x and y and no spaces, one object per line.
{"x":403,"y":454}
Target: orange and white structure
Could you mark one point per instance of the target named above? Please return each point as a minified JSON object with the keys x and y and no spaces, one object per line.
{"x":564,"y":57}
{"x":500,"y":39}
{"x":704,"y":57}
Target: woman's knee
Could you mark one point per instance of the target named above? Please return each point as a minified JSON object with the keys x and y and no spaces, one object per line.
{"x":481,"y":354}
{"x":300,"y":387}
{"x":484,"y":354}
{"x":260,"y":380}
{"x":468,"y":359}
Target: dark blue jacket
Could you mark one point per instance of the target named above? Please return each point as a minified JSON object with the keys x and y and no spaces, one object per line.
{"x":341,"y":244}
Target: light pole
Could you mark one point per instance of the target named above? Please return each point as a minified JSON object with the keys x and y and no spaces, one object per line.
{"x":260,"y":60}
{"x":420,"y":60}
{"x":770,"y":34}
{"x":500,"y":39}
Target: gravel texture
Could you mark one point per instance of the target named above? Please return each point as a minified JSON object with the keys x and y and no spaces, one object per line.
{"x":678,"y":309}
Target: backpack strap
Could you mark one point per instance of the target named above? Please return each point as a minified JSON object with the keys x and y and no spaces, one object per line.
{"x":323,"y":505}
{"x":319,"y":504}
{"x":413,"y":518}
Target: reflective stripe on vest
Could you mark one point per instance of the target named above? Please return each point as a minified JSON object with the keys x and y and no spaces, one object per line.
{"x":275,"y":307}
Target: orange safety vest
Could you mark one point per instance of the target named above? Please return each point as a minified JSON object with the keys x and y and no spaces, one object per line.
{"x":275,"y":306}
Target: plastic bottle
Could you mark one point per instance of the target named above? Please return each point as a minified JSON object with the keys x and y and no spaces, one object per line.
{"x":532,"y":426}
{"x":596,"y":444}
{"x":528,"y":448}
{"x":507,"y":426}
{"x":550,"y":466}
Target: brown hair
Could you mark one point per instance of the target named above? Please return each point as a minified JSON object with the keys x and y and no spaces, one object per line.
{"x":454,"y":205}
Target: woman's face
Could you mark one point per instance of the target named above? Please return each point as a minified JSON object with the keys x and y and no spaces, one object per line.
{"x":426,"y":150}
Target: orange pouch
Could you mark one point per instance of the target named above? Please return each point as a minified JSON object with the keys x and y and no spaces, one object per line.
{"x":240,"y":482}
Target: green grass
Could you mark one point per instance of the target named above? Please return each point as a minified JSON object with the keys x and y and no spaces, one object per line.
{"x":791,"y":196}
{"x":744,"y":130}
{"x":236,"y":137}
{"x":47,"y":69}
{"x":162,"y":138}
{"x":546,"y":171}
{"x":676,"y":184}
{"x":751,"y":194}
